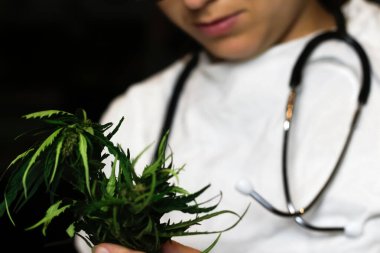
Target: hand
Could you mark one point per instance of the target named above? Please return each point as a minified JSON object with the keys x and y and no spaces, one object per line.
{"x":112,"y":248}
{"x":175,"y":247}
{"x":168,"y":247}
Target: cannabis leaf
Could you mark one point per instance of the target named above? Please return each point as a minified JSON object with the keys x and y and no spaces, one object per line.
{"x":51,"y":213}
{"x":123,"y":208}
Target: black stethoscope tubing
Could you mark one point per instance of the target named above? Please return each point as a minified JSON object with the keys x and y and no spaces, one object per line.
{"x":295,"y":81}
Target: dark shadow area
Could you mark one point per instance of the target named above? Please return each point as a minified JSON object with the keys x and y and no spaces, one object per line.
{"x":68,"y":54}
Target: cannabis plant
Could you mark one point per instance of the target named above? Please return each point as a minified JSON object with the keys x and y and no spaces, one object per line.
{"x":124,"y":207}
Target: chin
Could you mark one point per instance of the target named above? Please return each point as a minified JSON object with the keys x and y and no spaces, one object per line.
{"x":234,"y":50}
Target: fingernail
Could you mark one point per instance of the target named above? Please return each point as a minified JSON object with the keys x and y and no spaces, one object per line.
{"x":100,"y":250}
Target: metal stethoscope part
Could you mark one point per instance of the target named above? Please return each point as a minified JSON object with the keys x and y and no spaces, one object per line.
{"x":352,"y":229}
{"x":245,"y":187}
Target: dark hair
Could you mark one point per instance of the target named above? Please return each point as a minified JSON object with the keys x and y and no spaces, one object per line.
{"x":334,"y":7}
{"x":330,"y":4}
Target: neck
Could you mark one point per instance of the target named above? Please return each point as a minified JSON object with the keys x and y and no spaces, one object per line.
{"x":313,"y":18}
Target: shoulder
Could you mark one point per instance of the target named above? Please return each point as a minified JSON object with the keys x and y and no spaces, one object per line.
{"x":143,"y":106}
{"x":150,"y":91}
{"x":363,"y":19}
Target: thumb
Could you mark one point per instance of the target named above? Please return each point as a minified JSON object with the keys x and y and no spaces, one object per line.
{"x":112,"y":248}
{"x":175,"y":247}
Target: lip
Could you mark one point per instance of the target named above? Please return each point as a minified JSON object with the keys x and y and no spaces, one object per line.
{"x":220,"y":26}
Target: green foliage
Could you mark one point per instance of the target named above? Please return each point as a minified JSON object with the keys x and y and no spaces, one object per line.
{"x":124,"y":208}
{"x":51,"y":213}
{"x":44,"y":114}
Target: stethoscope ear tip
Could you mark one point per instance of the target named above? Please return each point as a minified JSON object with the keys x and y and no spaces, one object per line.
{"x":244,"y":186}
{"x":353,"y":229}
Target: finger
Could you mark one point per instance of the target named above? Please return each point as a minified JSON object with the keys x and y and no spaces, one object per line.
{"x":112,"y":248}
{"x":175,"y":247}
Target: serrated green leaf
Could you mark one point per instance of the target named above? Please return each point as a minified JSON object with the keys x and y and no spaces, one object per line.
{"x":137,"y":158}
{"x":84,"y":114}
{"x":163,"y":144}
{"x":110,"y":135}
{"x":89,"y":130}
{"x":97,"y":205}
{"x":57,"y":154}
{"x":7,"y":208}
{"x":83,"y":154}
{"x":13,"y":187}
{"x":197,"y":220}
{"x":148,"y":196}
{"x":20,"y":156}
{"x":209,"y":248}
{"x":191,"y":197}
{"x":48,"y":141}
{"x":53,"y":211}
{"x":125,"y":208}
{"x":111,"y":184}
{"x":45,"y":114}
{"x":35,"y":180}
{"x":56,"y":122}
{"x":71,"y":230}
{"x":147,"y":230}
{"x":180,"y":190}
{"x":126,"y":170}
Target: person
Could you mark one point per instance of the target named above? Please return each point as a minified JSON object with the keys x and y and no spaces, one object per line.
{"x":229,"y":120}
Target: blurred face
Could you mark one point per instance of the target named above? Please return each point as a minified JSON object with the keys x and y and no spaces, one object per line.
{"x":242,"y":29}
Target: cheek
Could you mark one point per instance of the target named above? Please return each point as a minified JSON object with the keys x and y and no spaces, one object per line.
{"x":173,"y":10}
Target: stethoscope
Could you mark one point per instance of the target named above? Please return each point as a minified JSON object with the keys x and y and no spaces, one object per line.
{"x":245,"y":186}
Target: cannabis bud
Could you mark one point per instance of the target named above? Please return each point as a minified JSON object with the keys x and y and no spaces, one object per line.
{"x":124,"y":208}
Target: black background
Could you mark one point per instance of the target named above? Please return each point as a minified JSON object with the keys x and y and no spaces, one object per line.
{"x":68,"y":54}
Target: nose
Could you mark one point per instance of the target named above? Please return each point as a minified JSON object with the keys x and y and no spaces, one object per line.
{"x":196,"y":4}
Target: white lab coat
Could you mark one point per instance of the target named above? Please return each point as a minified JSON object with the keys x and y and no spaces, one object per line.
{"x":228,"y":126}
